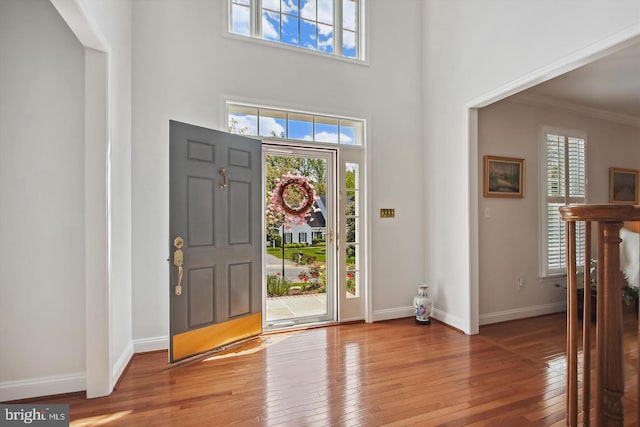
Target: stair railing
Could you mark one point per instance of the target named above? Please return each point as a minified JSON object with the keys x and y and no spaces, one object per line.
{"x":609,"y":351}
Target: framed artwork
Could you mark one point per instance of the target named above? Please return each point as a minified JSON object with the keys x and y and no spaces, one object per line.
{"x":503,"y":177}
{"x":623,"y":186}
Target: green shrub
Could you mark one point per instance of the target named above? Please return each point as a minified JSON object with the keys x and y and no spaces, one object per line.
{"x":318,"y":242}
{"x":277,"y":285}
{"x":295,"y":245}
{"x":351,"y":283}
{"x":277,"y":239}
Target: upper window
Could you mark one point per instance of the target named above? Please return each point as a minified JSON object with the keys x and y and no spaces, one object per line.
{"x":271,"y":123}
{"x":565,"y":183}
{"x":327,"y":26}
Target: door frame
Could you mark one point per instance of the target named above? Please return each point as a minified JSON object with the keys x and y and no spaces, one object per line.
{"x":270,"y":147}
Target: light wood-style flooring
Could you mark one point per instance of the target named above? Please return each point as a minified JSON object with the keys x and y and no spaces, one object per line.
{"x":393,"y":373}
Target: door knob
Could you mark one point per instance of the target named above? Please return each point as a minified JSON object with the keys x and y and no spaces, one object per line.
{"x":178,"y":259}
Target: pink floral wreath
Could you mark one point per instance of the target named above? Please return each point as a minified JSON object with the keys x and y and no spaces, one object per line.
{"x":302,"y":184}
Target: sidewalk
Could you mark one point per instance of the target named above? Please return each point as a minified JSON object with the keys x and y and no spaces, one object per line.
{"x":291,"y":269}
{"x":279,"y":308}
{"x":292,"y":306}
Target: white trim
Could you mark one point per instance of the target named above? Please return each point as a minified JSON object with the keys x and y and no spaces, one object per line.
{"x":97,"y":197}
{"x":362,"y":39}
{"x":144,"y":345}
{"x":402,"y":312}
{"x":121,"y":363}
{"x":607,"y":46}
{"x":543,"y":101}
{"x":367,"y":246}
{"x":450,"y":319}
{"x":522,"y":313}
{"x":81,"y":24}
{"x":474,"y":226}
{"x":97,"y":225}
{"x":392,"y":313}
{"x":44,"y":386}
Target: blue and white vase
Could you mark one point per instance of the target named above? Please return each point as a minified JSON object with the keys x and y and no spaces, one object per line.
{"x":422,"y":304}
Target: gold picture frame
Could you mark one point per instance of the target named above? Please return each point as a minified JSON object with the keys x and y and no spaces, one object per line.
{"x":503,"y":177}
{"x":623,"y":186}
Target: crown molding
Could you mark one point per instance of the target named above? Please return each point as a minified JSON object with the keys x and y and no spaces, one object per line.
{"x":545,"y":101}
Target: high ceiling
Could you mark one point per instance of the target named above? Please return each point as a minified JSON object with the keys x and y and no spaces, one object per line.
{"x":611,"y":84}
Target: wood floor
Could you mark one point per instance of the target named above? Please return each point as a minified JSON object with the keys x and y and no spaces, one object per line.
{"x":392,"y":373}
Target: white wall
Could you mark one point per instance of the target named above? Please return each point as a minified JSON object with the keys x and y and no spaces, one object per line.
{"x":183,"y":67}
{"x":508,"y":237}
{"x":61,"y":88}
{"x":114,"y":19}
{"x":42,"y":313}
{"x":471,"y":49}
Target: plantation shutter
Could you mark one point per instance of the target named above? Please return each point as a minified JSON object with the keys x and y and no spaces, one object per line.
{"x":566,"y":184}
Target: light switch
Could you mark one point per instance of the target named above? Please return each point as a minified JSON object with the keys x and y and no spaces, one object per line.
{"x":387,"y":213}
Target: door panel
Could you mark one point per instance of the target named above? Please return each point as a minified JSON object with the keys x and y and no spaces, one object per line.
{"x":200,"y":213}
{"x":239,"y":212}
{"x":215,"y":182}
{"x":301,"y":248}
{"x":239,"y":289}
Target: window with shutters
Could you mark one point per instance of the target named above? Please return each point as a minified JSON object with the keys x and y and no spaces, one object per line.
{"x":564,"y":182}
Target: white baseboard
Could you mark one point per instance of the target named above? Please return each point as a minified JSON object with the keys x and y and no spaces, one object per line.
{"x":44,"y":386}
{"x":121,"y":363}
{"x":449,"y":319}
{"x":392,"y":313}
{"x":144,"y":345}
{"x":522,"y":313}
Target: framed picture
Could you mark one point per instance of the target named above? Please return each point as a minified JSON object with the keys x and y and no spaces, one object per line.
{"x":623,"y":186}
{"x":503,"y":177}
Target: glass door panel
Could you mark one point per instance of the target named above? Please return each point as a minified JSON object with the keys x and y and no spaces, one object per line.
{"x":300,"y":283}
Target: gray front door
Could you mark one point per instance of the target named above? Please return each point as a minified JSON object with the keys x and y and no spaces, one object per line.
{"x":215,"y":232}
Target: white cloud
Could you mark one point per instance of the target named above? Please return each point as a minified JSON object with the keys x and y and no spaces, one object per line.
{"x":349,"y":39}
{"x":325,"y":44}
{"x":244,"y":124}
{"x":247,"y":125}
{"x":349,"y":14}
{"x":329,"y":137}
{"x":325,"y":11}
{"x":325,"y":30}
{"x":271,"y":4}
{"x":268,"y":30}
{"x":308,"y":9}
{"x":326,"y":137}
{"x":345,"y":139}
{"x":269,"y":126}
{"x":289,"y":6}
{"x":241,"y":20}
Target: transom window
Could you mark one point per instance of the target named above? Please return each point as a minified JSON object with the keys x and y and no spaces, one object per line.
{"x":327,"y":26}
{"x":279,"y":124}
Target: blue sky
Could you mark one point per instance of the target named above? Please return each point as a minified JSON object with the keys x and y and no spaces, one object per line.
{"x":331,"y":131}
{"x":304,"y":23}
